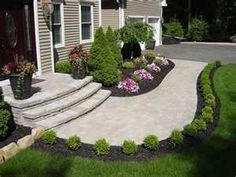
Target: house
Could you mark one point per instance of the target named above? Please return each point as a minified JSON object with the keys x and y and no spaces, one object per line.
{"x":45,"y":30}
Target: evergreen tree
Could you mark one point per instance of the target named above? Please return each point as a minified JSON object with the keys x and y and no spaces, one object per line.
{"x":102,"y":61}
{"x":112,"y":42}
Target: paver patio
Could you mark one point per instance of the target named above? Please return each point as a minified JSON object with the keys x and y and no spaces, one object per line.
{"x":171,"y":105}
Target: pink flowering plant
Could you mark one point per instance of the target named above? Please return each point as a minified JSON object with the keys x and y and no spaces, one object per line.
{"x":129,"y":85}
{"x":153,"y":67}
{"x":143,"y":74}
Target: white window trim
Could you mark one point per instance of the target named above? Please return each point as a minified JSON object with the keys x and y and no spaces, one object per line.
{"x":92,"y":23}
{"x":159,"y":42}
{"x":135,"y":16}
{"x":62,"y":44}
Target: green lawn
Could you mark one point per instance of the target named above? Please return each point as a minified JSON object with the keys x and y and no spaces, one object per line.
{"x":215,"y":157}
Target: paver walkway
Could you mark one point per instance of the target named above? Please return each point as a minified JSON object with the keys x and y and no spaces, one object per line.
{"x":171,"y":105}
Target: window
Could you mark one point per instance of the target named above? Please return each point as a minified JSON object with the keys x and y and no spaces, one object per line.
{"x":86,"y":23}
{"x":57,"y":25}
{"x":135,"y":19}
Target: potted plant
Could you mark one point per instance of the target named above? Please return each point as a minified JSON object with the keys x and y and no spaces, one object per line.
{"x":78,"y":59}
{"x":20,"y":76}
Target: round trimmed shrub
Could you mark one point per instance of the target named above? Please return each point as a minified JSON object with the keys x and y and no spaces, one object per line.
{"x":200,"y":124}
{"x":151,"y":142}
{"x":190,"y":130}
{"x":207,"y":117}
{"x":128,"y":65}
{"x":101,"y":147}
{"x":174,"y":28}
{"x":63,"y":66}
{"x":198,"y":30}
{"x":139,"y":61}
{"x":129,"y":147}
{"x":176,"y":137}
{"x":5,"y":117}
{"x":150,"y":55}
{"x":73,"y":142}
{"x":49,"y":137}
{"x":210,"y":102}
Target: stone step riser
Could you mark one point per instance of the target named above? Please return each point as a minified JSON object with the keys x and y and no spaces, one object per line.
{"x":88,"y":105}
{"x":67,"y":103}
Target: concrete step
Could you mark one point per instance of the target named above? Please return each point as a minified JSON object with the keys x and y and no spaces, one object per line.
{"x":75,"y":112}
{"x":62,"y":103}
{"x":49,"y":95}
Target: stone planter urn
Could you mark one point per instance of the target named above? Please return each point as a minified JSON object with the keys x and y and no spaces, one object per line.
{"x":21,"y":85}
{"x":78,"y":70}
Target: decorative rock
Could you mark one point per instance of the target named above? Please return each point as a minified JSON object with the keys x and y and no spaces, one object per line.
{"x":25,"y":142}
{"x":10,"y":150}
{"x":233,"y":38}
{"x":37,"y":132}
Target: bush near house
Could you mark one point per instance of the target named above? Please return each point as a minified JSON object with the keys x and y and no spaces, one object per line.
{"x":198,"y":30}
{"x":63,"y":66}
{"x":174,"y":28}
{"x":73,"y":143}
{"x":113,"y":44}
{"x":6,"y":118}
{"x":49,"y":137}
{"x":102,"y":65}
{"x":176,"y":137}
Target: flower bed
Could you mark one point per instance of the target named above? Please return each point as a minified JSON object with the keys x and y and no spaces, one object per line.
{"x":147,"y":79}
{"x":177,"y":142}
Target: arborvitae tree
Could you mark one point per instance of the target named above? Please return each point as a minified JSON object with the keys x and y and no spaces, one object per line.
{"x":112,"y":42}
{"x":103,"y":61}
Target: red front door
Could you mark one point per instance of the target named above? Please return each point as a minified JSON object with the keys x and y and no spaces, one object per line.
{"x":17,"y":38}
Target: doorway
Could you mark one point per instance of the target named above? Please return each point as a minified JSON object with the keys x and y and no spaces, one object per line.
{"x":17,"y":39}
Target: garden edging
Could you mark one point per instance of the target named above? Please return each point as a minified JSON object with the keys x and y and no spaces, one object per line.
{"x":13,"y":148}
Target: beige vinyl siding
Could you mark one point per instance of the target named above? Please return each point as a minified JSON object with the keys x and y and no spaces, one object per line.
{"x":72,"y":28}
{"x":45,"y":42}
{"x":110,"y":17}
{"x":143,"y":8}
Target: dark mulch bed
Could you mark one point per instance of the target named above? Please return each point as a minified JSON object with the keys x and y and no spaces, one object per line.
{"x":115,"y":154}
{"x":145,"y":86}
{"x":19,"y":132}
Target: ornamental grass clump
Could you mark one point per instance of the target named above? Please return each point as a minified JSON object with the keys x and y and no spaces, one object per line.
{"x":150,"y":55}
{"x":129,"y":147}
{"x":151,"y":142}
{"x":49,"y":137}
{"x":73,"y":143}
{"x":129,"y":85}
{"x":143,"y":74}
{"x":128,"y":65}
{"x":207,"y":117}
{"x":176,"y":137}
{"x":101,"y":147}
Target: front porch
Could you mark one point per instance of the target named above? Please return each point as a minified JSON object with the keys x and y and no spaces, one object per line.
{"x":56,"y":99}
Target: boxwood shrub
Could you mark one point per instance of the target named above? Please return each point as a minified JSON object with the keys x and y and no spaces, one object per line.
{"x":129,"y":147}
{"x":200,"y":124}
{"x":151,"y":142}
{"x":207,"y":117}
{"x":176,"y":137}
{"x":49,"y":137}
{"x":63,"y":66}
{"x":73,"y":143}
{"x":190,"y":130}
{"x":101,"y":147}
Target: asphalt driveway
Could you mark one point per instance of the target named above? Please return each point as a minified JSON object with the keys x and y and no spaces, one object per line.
{"x":199,"y":52}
